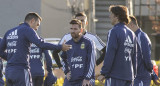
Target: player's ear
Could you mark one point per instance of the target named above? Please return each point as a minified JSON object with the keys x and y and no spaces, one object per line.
{"x":86,"y":23}
{"x":81,"y":30}
{"x":32,"y":20}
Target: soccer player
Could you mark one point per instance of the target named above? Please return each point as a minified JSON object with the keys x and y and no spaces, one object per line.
{"x":36,"y":63}
{"x":145,"y":66}
{"x":15,"y":48}
{"x":79,"y":61}
{"x":120,"y":59}
{"x":100,"y":45}
{"x":1,"y":69}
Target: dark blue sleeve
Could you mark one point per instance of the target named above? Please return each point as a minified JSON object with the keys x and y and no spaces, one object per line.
{"x":91,"y":57}
{"x":146,"y":51}
{"x":3,"y":46}
{"x":65,"y":65}
{"x":48,"y":60}
{"x":32,"y":36}
{"x":110,"y":53}
{"x":134,"y":57}
{"x":57,"y":58}
{"x":101,"y":58}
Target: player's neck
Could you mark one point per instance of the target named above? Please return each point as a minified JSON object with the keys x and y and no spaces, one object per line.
{"x":136,"y":28}
{"x":116,"y":22}
{"x":77,"y":39}
{"x":84,"y":31}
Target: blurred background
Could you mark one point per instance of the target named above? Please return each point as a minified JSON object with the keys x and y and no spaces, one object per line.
{"x":57,"y":14}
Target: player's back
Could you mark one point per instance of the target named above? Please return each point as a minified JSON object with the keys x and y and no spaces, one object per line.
{"x":144,"y":66}
{"x":17,"y":46}
{"x":120,"y":50}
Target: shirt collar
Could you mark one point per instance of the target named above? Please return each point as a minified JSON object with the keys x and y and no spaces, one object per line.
{"x":137,"y":31}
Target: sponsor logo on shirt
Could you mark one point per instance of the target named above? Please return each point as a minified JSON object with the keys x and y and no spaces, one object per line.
{"x":35,"y":50}
{"x":34,"y":56}
{"x":11,"y":44}
{"x":127,"y":52}
{"x":11,"y":50}
{"x":128,"y":48}
{"x":13,"y":35}
{"x":74,"y":60}
{"x":128,"y":42}
{"x":33,"y":45}
{"x":77,"y":65}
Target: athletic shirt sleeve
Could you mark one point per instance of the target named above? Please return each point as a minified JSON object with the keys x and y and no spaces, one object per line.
{"x":110,"y":53}
{"x":48,"y":60}
{"x":146,"y":51}
{"x":98,"y":42}
{"x":3,"y":46}
{"x":32,"y":36}
{"x":65,"y":64}
{"x":91,"y":55}
{"x":66,"y":38}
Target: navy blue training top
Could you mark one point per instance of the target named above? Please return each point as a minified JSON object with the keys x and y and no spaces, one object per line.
{"x":15,"y":46}
{"x":36,"y":61}
{"x":120,"y":57}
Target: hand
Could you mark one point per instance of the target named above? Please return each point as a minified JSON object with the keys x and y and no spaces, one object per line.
{"x":66,"y":47}
{"x":86,"y":83}
{"x":101,"y":78}
{"x":69,"y":75}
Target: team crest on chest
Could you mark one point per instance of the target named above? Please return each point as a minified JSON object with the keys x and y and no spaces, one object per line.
{"x":82,"y":45}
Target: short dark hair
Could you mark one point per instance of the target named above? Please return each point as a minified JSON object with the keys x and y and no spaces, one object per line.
{"x":121,"y":12}
{"x":80,"y":14}
{"x":76,"y":21}
{"x":32,"y":15}
{"x":133,"y":19}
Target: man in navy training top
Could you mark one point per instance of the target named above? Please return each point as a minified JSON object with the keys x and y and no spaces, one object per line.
{"x":119,"y":66}
{"x":1,"y":69}
{"x":145,"y":66}
{"x":100,"y":45}
{"x":36,"y":63}
{"x":79,"y":61}
{"x":15,"y":48}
